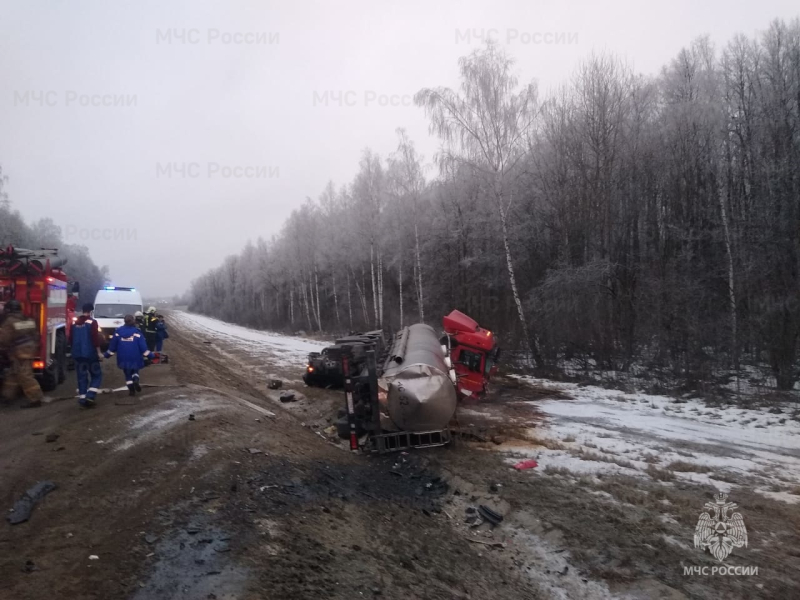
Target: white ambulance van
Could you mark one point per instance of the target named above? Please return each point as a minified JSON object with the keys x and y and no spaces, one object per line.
{"x":111,"y":304}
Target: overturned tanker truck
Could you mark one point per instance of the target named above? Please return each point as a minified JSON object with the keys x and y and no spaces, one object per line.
{"x":404,"y":395}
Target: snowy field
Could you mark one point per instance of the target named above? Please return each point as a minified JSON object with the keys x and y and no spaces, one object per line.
{"x":607,"y":431}
{"x":282,"y":350}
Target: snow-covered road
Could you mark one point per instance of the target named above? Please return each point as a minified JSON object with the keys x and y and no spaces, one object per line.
{"x":282,"y":350}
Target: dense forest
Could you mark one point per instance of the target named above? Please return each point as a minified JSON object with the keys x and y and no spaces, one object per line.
{"x":46,"y":234}
{"x":625,"y":219}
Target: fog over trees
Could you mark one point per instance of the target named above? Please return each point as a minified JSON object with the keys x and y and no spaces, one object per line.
{"x":46,"y":234}
{"x":624,"y":218}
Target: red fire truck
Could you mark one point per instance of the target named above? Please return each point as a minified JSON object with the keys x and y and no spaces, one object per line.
{"x":36,"y":279}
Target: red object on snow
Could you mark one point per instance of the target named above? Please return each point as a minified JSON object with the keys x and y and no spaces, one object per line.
{"x":526,"y":464}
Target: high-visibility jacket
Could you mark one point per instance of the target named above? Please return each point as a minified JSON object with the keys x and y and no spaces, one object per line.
{"x":150,"y":323}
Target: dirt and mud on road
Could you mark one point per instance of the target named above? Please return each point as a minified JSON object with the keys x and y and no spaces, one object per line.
{"x":209,"y":487}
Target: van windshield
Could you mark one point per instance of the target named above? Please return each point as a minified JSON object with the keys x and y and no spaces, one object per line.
{"x":114,"y":311}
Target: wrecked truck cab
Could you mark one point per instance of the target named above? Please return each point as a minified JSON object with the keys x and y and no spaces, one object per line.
{"x":473,"y":351}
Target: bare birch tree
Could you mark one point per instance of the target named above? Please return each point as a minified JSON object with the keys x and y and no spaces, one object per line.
{"x":485,"y":127}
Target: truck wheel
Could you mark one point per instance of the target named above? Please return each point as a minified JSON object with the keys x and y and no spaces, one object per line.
{"x":343,"y":428}
{"x":61,"y":356}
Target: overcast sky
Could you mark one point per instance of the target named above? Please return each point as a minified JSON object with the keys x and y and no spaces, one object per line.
{"x":163,"y":135}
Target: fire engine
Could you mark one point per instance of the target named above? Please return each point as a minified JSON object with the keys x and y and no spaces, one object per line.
{"x":37,"y":280}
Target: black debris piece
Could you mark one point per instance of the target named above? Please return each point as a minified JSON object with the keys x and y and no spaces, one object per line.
{"x":275,"y":384}
{"x":287,"y":396}
{"x":24,"y":506}
{"x":490,"y":515}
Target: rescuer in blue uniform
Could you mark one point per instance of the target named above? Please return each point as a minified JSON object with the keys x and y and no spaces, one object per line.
{"x":129,"y":345}
{"x":86,"y":342}
{"x":161,"y":333}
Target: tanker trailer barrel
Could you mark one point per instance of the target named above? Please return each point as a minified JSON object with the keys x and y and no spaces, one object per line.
{"x":420,"y":396}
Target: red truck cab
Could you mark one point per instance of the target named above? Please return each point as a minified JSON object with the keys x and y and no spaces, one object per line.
{"x":473,"y":352}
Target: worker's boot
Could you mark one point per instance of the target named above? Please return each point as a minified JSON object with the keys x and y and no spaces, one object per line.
{"x":136,"y":384}
{"x":131,"y":390}
{"x":86,"y":403}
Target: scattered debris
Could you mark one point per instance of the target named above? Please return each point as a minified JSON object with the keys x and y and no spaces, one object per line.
{"x":469,"y":435}
{"x":191,"y":417}
{"x":23,"y":508}
{"x":498,"y":439}
{"x":287,"y":396}
{"x":491,"y":544}
{"x":526,"y":464}
{"x":29,"y":567}
{"x":51,"y":437}
{"x":151,"y":539}
{"x":94,"y":557}
{"x":487,"y":513}
{"x":255,"y":451}
{"x":275,"y":384}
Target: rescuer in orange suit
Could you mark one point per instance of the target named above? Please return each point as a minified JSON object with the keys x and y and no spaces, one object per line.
{"x":18,"y":341}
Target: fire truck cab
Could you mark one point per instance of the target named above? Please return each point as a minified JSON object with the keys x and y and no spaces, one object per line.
{"x":35,"y":278}
{"x":473,"y":352}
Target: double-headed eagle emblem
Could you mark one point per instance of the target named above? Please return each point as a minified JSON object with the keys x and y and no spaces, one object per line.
{"x":719,"y":532}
